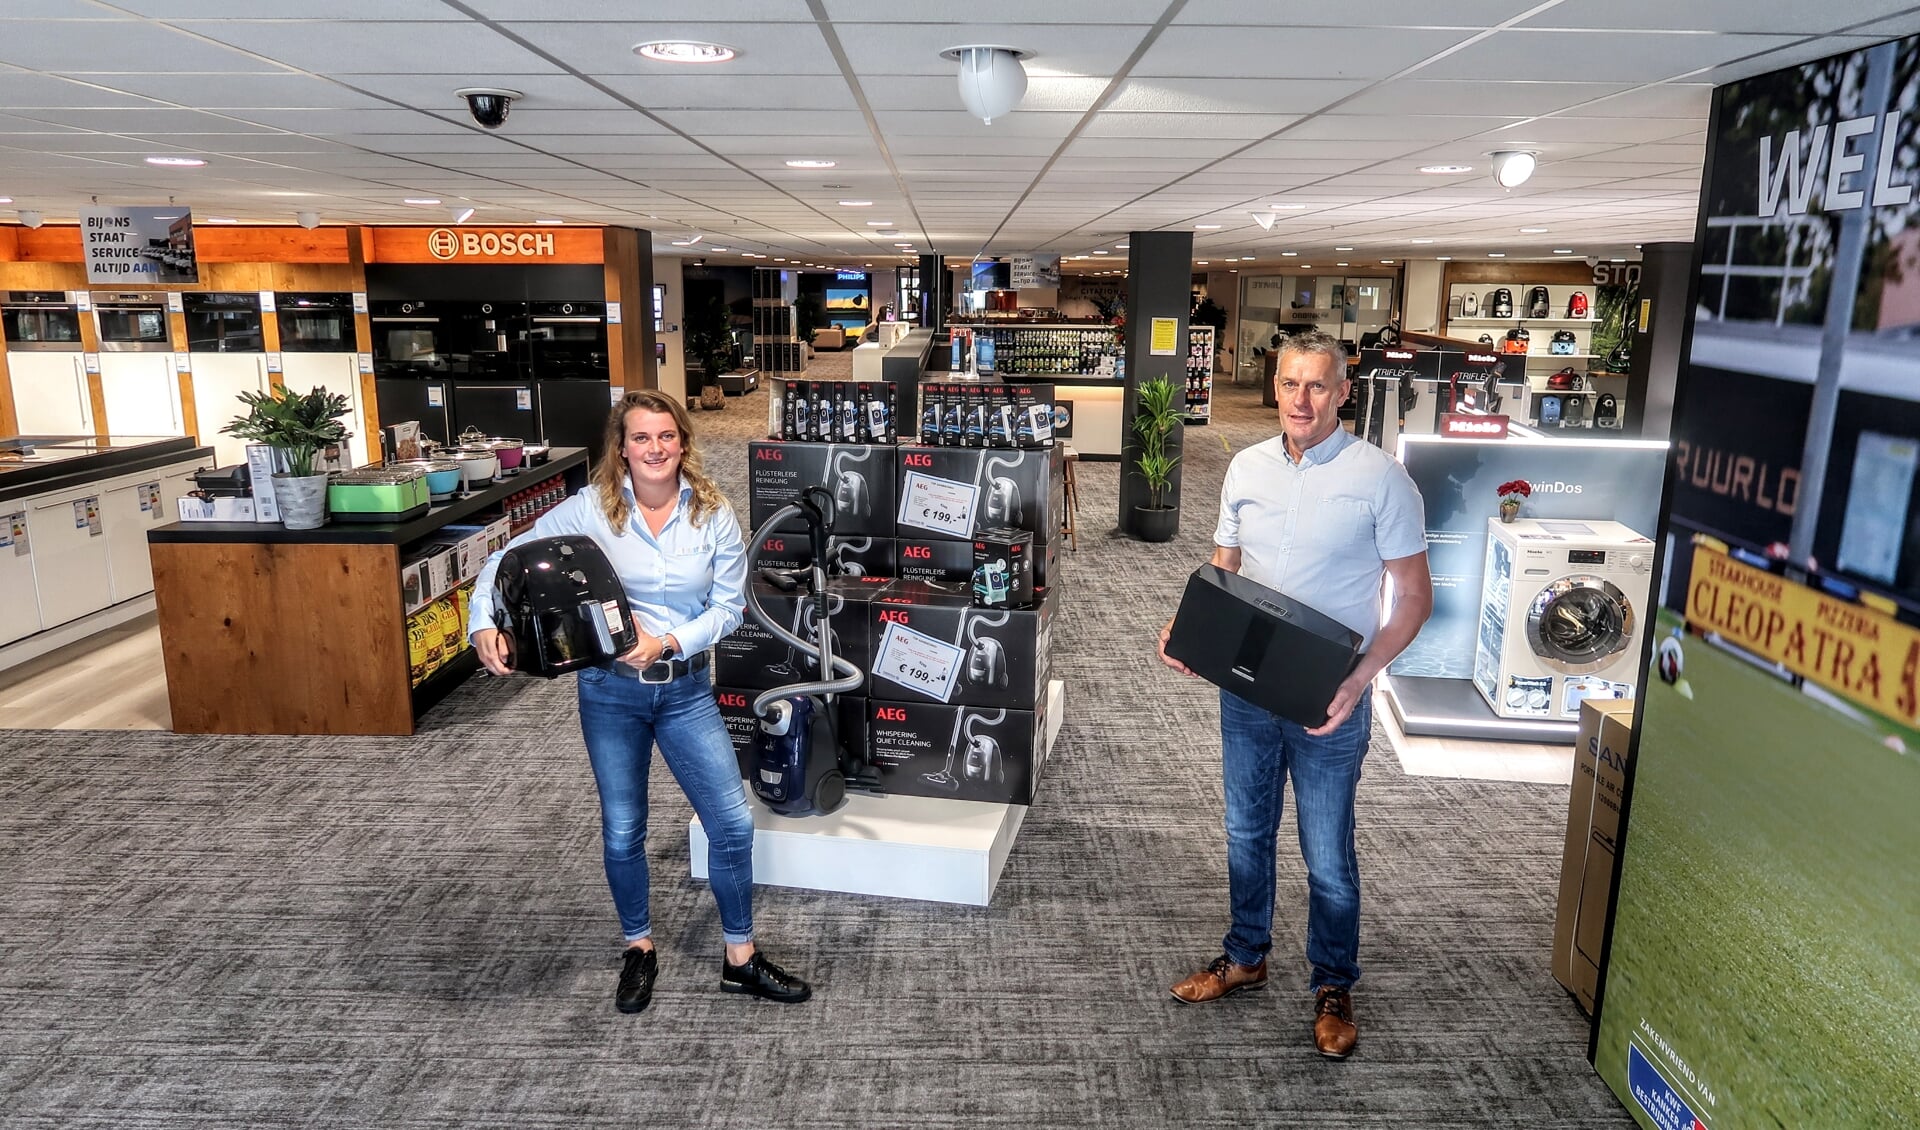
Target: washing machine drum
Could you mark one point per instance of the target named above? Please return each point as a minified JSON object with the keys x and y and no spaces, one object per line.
{"x":1579,"y":624}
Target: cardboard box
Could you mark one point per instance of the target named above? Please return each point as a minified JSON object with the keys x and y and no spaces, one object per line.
{"x":958,"y":752}
{"x":950,"y":492}
{"x":750,"y":656}
{"x":930,"y":644}
{"x":217,"y":509}
{"x":736,"y":710}
{"x":1593,"y":825}
{"x":1003,"y":568}
{"x":860,"y":477}
{"x":415,"y":586}
{"x":941,"y":560}
{"x":262,"y":462}
{"x":847,"y":556}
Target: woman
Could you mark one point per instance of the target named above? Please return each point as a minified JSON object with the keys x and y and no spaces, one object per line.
{"x":677,"y":547}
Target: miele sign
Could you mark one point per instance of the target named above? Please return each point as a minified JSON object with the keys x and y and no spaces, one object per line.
{"x":446,"y":244}
{"x":485,"y":245}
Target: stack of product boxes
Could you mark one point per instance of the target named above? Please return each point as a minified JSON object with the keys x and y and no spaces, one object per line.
{"x":436,"y":584}
{"x":955,"y":698}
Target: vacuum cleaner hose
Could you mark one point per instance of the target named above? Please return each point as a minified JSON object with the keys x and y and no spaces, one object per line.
{"x":846,"y":678}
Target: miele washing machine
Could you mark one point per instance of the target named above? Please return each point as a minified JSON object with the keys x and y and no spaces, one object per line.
{"x":1564,"y":611}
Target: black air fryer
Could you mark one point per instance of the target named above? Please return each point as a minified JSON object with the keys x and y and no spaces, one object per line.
{"x":561,"y":606}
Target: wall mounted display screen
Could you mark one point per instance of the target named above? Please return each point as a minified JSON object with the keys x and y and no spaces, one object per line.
{"x":1762,"y":969}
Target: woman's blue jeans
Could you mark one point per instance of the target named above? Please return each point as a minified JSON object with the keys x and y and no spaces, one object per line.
{"x":621,"y":719}
{"x":1259,"y":751}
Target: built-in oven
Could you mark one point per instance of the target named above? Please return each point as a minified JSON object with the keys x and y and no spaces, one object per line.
{"x":224,"y":323}
{"x":434,"y":338}
{"x":407,"y":341}
{"x":132,"y":321}
{"x":316,"y":322}
{"x":568,"y":340}
{"x":40,"y":320}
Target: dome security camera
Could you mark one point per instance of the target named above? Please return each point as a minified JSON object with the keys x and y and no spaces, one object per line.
{"x":489,"y":104}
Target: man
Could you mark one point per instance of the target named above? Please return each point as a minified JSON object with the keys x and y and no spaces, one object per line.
{"x":1320,"y":516}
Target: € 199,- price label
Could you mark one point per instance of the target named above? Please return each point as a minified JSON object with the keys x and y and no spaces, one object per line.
{"x":931,"y":503}
{"x":918,"y":661}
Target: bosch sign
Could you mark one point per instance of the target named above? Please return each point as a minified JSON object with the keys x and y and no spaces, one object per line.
{"x":445,"y":243}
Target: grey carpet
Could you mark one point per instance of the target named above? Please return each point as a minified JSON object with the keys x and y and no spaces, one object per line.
{"x":397,"y":933}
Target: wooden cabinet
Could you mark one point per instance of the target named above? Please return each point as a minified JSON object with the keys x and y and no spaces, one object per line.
{"x":69,"y":553}
{"x":50,"y":396}
{"x":218,"y":381}
{"x":128,"y":511}
{"x":142,"y":394}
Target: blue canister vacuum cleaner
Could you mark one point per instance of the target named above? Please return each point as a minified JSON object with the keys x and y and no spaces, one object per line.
{"x":801,"y":765}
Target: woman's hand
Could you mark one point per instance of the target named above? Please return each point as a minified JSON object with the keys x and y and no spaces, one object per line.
{"x":491,"y":646}
{"x":645,"y":653}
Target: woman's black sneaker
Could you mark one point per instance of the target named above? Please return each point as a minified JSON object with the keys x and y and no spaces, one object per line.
{"x":637,"y":971}
{"x":762,"y":978}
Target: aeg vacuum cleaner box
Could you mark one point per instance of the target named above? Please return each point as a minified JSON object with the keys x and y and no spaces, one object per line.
{"x":959,"y":752}
{"x":949,"y":561}
{"x":953,"y":492}
{"x":846,"y":556}
{"x":930,"y":644}
{"x":736,"y":710}
{"x":860,"y":478}
{"x":750,"y":656}
{"x":1265,"y":647}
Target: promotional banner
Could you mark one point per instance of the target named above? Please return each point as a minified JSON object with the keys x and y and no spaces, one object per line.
{"x":1615,"y":481}
{"x":1762,"y":969}
{"x":133,"y":246}
{"x":1034,"y":272}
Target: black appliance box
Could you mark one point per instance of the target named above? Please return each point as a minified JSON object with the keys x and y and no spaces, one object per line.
{"x":957,"y":752}
{"x":859,"y":476}
{"x":750,"y":656}
{"x":949,"y":492}
{"x":736,"y":710}
{"x":1265,"y":647}
{"x":1009,"y":552}
{"x":846,"y":556}
{"x":942,"y":559}
{"x":928,"y":642}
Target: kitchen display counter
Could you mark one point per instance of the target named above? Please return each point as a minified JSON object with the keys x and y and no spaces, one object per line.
{"x":267,"y":630}
{"x":38,"y":464}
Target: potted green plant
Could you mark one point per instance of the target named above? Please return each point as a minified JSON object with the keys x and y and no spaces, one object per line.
{"x":297,"y":428}
{"x":1157,"y":423}
{"x":710,"y":345}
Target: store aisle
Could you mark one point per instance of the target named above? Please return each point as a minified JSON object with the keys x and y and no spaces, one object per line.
{"x":361,"y":932}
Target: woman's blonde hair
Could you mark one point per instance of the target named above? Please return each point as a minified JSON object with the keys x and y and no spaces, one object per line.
{"x":610,"y":473}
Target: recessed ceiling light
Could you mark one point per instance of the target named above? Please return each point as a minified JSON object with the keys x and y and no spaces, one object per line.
{"x":1343,"y":249}
{"x":684,"y":51}
{"x":716,"y":249}
{"x":869,"y":264}
{"x":549,"y":221}
{"x":1443,"y":258}
{"x":6,"y":199}
{"x":856,"y":204}
{"x":1387,"y":262}
{"x":423,"y":201}
{"x":1496,"y":255}
{"x":1103,"y":253}
{"x":1204,"y":262}
{"x":177,"y":162}
{"x":1286,"y":207}
{"x":1206,"y":227}
{"x":811,"y":164}
{"x":1533,"y":231}
{"x":1419,"y":241}
{"x":1616,"y":260}
{"x":1446,"y":168}
{"x":903,"y":245}
{"x":1233,"y":270}
{"x":886,"y":231}
{"x":1340,"y":264}
{"x":777,"y":259}
{"x":1290,"y":254}
{"x":879,"y":223}
{"x":210,"y":219}
{"x":1306,"y":266}
{"x":1122,"y":246}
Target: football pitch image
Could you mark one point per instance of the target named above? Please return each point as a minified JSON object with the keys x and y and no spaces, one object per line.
{"x":1766,"y":949}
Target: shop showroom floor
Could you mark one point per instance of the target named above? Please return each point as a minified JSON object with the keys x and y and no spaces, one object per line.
{"x":272,"y":932}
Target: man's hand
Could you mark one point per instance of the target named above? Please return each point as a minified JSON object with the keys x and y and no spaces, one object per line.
{"x":491,"y":647}
{"x":1344,"y":700}
{"x":1168,"y":659}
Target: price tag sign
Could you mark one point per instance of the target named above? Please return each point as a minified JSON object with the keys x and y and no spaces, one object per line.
{"x":436,"y":396}
{"x":266,"y":302}
{"x":359,"y":301}
{"x":613,"y":313}
{"x":82,"y":300}
{"x":174,"y":302}
{"x":366,"y":362}
{"x":918,"y":661}
{"x":937,"y":504}
{"x":149,"y":496}
{"x":273,"y":362}
{"x":181,"y":363}
{"x":523,"y":399}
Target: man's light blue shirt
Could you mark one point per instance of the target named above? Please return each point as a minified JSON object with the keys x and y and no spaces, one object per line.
{"x":1322,"y":530}
{"x":688,"y":581}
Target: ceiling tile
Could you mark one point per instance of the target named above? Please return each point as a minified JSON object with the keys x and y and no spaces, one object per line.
{"x":942,"y":92}
{"x":1632,"y":57}
{"x":1057,"y":49}
{"x":606,"y":48}
{"x":346,"y":47}
{"x":1229,"y":96}
{"x":80,"y":47}
{"x":1708,"y":15}
{"x":1333,"y":53}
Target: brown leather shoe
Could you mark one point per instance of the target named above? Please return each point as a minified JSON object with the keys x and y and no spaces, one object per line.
{"x":1334,"y":1031}
{"x":1221,"y":977}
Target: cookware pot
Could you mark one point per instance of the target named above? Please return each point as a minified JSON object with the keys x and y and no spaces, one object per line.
{"x":477,"y":467}
{"x":443,"y":475}
{"x":510,"y":451}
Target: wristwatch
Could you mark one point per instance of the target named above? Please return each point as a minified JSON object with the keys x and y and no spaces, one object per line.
{"x":666,"y":651}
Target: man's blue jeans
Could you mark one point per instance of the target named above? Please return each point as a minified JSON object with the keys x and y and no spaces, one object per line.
{"x":1259,"y":751}
{"x":621,"y":718}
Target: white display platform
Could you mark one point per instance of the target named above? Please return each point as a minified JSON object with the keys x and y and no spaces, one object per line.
{"x":909,"y":847}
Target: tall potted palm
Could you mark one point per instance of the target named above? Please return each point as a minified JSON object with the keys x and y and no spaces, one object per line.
{"x":297,"y":428}
{"x":1157,"y":423}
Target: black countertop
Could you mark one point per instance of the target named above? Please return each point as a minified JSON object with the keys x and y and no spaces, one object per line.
{"x":563,"y":460}
{"x":31,"y":465}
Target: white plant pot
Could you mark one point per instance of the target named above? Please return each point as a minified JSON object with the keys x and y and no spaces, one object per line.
{"x":302,"y":500}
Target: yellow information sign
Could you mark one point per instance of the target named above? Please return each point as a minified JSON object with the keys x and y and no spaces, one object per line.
{"x":1854,"y":651}
{"x":1165,"y":339}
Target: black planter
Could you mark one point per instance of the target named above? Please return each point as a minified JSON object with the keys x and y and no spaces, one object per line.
{"x":1156,"y":523}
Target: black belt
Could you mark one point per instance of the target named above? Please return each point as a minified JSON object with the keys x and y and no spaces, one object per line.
{"x":663,"y":671}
